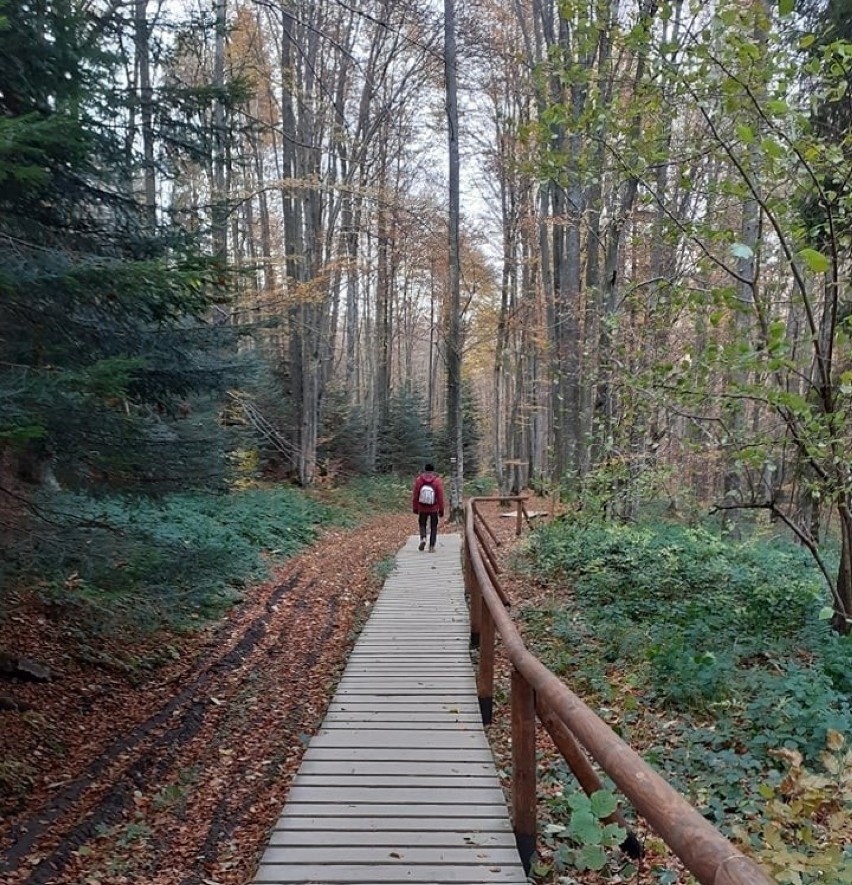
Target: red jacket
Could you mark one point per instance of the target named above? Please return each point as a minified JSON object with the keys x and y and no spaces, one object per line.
{"x":435,"y":481}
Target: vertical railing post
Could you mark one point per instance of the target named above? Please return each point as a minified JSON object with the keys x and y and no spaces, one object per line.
{"x":475,"y":596}
{"x":485,"y":673}
{"x":523,"y":767}
{"x":520,"y":522}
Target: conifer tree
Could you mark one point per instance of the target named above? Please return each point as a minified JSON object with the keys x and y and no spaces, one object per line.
{"x":103,"y":333}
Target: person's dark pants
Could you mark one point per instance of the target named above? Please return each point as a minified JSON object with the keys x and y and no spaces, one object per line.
{"x":433,"y":527}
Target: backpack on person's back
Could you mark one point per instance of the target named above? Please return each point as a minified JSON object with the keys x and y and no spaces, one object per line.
{"x":427,"y":495}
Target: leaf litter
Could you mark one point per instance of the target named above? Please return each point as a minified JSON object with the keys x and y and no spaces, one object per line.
{"x":177,"y":776}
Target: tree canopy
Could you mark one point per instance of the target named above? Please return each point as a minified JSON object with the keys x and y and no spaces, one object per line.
{"x":652,"y":249}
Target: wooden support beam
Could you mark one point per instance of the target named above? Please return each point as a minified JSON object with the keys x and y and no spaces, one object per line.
{"x":485,"y":672}
{"x":523,"y":767}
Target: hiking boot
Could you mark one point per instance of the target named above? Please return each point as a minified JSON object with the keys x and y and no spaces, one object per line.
{"x":422,"y":545}
{"x":431,"y":549}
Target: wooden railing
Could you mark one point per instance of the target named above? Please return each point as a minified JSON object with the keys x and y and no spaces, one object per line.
{"x":577,"y":731}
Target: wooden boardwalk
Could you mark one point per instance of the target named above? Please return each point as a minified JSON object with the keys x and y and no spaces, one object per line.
{"x":399,"y":784}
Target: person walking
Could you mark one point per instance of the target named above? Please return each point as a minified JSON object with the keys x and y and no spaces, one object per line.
{"x":427,"y":501}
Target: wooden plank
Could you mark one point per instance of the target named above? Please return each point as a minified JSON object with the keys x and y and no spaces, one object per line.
{"x":406,"y":685}
{"x":398,"y":856}
{"x":435,"y":694}
{"x":424,"y":671}
{"x":339,"y":767}
{"x":444,"y":755}
{"x":450,"y":683}
{"x":323,"y":823}
{"x":455,"y":633}
{"x":428,"y":703}
{"x":393,"y":838}
{"x":435,"y":718}
{"x":411,"y":648}
{"x":385,"y":709}
{"x":402,"y":793}
{"x":390,"y":809}
{"x":408,"y":660}
{"x":367,"y":874}
{"x":363,"y":738}
{"x":406,"y":781}
{"x":441,"y":721}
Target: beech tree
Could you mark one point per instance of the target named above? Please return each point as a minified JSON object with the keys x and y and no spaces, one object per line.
{"x":691,"y":251}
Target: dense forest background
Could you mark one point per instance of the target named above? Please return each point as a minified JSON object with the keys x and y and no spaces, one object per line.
{"x":241,"y":296}
{"x":225,"y":249}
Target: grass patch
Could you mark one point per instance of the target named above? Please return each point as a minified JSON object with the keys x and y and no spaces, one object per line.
{"x":367,"y":495}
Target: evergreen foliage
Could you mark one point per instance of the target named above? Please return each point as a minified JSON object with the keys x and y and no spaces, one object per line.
{"x":405,"y":442}
{"x":343,"y":437}
{"x":471,"y":433}
{"x":104,"y":323}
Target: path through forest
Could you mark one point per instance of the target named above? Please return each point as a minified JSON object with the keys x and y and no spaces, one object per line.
{"x":175,"y":775}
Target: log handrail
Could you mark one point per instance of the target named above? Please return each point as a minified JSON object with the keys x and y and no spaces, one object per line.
{"x":708,"y":855}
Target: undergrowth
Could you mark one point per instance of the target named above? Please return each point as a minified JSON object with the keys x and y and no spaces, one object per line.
{"x":170,"y":561}
{"x":711,"y":656}
{"x":180,"y":559}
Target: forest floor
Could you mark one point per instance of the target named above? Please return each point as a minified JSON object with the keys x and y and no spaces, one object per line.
{"x":172,"y":770}
{"x":166,"y":760}
{"x":657,"y":864}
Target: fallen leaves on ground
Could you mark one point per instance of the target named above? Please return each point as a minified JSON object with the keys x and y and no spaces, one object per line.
{"x":176,"y":774}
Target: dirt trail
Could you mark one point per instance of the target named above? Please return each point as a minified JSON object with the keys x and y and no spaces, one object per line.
{"x":177,"y":780}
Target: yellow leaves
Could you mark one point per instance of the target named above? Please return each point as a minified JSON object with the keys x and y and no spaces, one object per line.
{"x":808,"y":817}
{"x":834,"y":741}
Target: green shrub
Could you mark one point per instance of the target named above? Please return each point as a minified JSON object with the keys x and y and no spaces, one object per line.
{"x":685,"y":673}
{"x":174,"y":560}
{"x":712,"y":646}
{"x":769,"y":588}
{"x":480,"y":486}
{"x":366,"y":495}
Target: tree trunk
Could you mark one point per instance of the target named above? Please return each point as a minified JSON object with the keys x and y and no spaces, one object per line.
{"x":382,"y":376}
{"x":219,"y":212}
{"x":146,"y":113}
{"x":454,"y":343}
{"x":842,"y":620}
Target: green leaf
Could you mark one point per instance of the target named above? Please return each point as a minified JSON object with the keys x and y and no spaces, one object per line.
{"x":816,"y":261}
{"x":591,"y":857}
{"x":603,"y":803}
{"x":613,"y":835}
{"x":773,"y":149}
{"x":741,"y":250}
{"x":786,"y":7}
{"x":579,"y":802}
{"x":584,"y":828}
{"x":826,"y":613}
{"x":745,"y":133}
